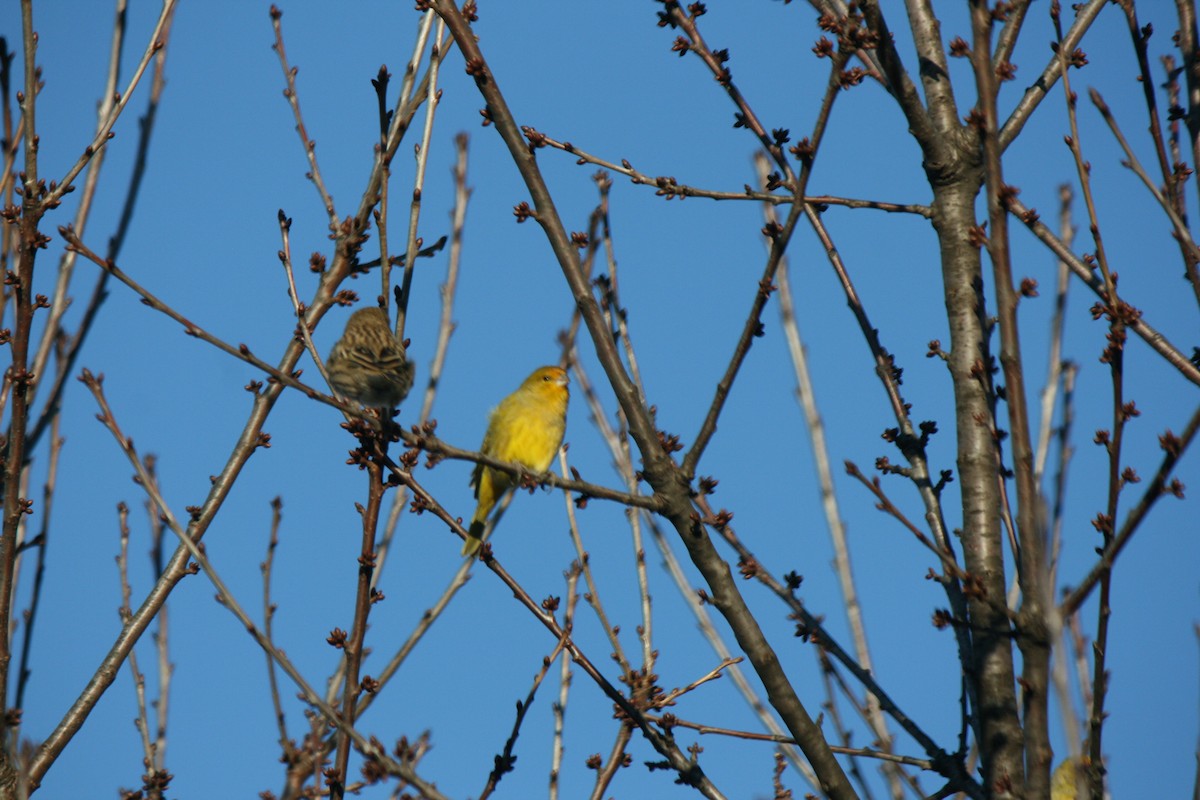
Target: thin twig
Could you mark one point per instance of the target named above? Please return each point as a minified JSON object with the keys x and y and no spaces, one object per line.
{"x":593,"y":592}
{"x":1172,"y":181}
{"x":616,"y":759}
{"x":432,"y":93}
{"x":428,"y":618}
{"x":505,"y":761}
{"x":161,"y":642}
{"x":716,"y":64}
{"x":1013,"y":22}
{"x":406,"y":87}
{"x":115,"y":243}
{"x":712,"y":675}
{"x":865,"y":752}
{"x":152,"y":779}
{"x":1054,"y":366}
{"x":285,"y":742}
{"x":285,"y":258}
{"x":310,"y":146}
{"x":104,"y":132}
{"x":1191,"y":252}
{"x":371,"y":454}
{"x":241,"y":352}
{"x":66,"y":263}
{"x":1058,"y":631}
{"x":911,"y":444}
{"x":619,"y":321}
{"x":41,"y":542}
{"x":564,"y":684}
{"x":668,"y":187}
{"x":1040,"y":87}
{"x":834,"y":717}
{"x":780,"y":236}
{"x":1148,"y":333}
{"x":226,"y":599}
{"x":1174,"y":447}
{"x":448,"y":289}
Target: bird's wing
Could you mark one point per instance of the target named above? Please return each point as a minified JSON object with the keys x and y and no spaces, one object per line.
{"x":487,"y":447}
{"x":476,"y":477}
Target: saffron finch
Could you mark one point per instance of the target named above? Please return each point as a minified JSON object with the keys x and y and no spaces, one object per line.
{"x":526,"y":428}
{"x":369,"y":364}
{"x":1064,"y":782}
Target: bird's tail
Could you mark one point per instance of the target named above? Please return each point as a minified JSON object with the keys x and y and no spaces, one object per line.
{"x":474,"y":537}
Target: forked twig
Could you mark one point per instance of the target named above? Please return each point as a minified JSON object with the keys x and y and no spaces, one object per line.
{"x":367,"y":747}
{"x":505,"y":761}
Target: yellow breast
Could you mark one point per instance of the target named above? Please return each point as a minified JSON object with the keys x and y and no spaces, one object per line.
{"x":528,"y":425}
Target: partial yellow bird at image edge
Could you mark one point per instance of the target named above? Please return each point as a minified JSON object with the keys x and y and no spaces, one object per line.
{"x":526,"y":428}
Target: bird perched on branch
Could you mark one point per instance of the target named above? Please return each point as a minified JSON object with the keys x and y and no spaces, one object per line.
{"x":369,"y":364}
{"x":526,"y":428}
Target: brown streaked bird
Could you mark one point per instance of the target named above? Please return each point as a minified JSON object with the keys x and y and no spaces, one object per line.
{"x":526,"y":428}
{"x":369,"y":364}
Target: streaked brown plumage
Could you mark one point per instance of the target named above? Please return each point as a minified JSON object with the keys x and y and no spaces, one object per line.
{"x":369,"y":364}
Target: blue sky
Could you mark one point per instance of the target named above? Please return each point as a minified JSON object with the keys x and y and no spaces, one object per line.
{"x":225,"y":159}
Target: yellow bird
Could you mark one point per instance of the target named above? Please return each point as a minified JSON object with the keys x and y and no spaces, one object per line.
{"x":526,"y":428}
{"x":1065,"y":780}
